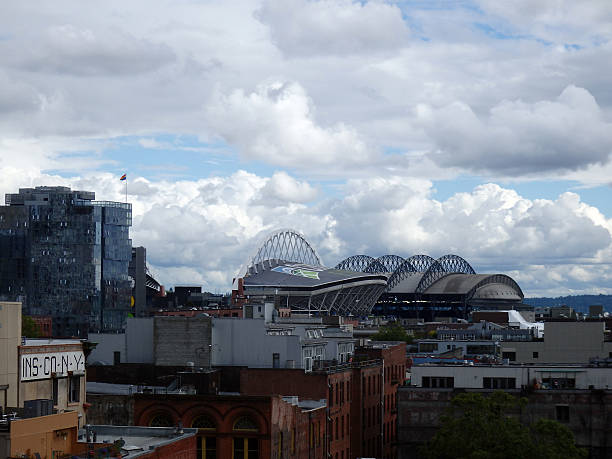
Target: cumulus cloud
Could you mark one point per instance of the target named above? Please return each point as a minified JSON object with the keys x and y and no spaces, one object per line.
{"x":284,"y":189}
{"x":276,"y":124}
{"x":517,"y":137}
{"x":301,"y":27}
{"x":491,"y":226}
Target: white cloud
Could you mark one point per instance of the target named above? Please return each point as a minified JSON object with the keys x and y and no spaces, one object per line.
{"x":276,"y":124}
{"x":301,"y":27}
{"x":522,"y":138}
{"x":70,"y":49}
{"x":284,"y":189}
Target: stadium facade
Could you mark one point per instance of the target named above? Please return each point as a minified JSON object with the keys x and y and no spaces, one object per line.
{"x":286,"y":269}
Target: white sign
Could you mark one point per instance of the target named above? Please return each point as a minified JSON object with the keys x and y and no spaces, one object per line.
{"x":41,"y":366}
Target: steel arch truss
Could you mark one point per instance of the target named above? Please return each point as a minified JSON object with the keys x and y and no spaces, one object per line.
{"x":390,"y":263}
{"x":414,"y":264}
{"x":448,"y":264}
{"x":496,"y":279}
{"x":357,"y":263}
{"x":286,"y":245}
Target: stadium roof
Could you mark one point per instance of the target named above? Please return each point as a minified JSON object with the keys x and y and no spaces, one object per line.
{"x":448,"y":275}
{"x":287,"y":274}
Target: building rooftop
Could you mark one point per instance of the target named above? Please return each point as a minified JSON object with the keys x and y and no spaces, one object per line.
{"x":305,"y":405}
{"x":136,"y":441}
{"x":121,"y":389}
{"x":48,"y":341}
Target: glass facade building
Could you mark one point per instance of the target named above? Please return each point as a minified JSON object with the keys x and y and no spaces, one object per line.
{"x":65,"y":255}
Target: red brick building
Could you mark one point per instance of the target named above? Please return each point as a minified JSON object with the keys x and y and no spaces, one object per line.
{"x":45,"y":325}
{"x":384,"y":393}
{"x":361,"y":400}
{"x":332,"y":385}
{"x":240,"y":426}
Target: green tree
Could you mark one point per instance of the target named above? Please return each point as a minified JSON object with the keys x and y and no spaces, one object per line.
{"x":478,"y":427}
{"x":29,"y":328}
{"x":392,"y":332}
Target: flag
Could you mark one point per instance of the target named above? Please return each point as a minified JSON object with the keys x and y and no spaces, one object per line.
{"x":123,"y":177}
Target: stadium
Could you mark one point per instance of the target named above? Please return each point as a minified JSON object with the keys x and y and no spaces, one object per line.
{"x":421,"y":286}
{"x":287,"y":270}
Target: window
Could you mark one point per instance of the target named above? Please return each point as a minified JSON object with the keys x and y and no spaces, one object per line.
{"x":536,"y":355}
{"x":276,"y":360}
{"x":337,"y":395}
{"x":437,"y":382}
{"x":116,"y":358}
{"x":161,"y":420}
{"x":246,"y":448}
{"x":562,"y":412}
{"x":55,"y":390}
{"x":509,"y":355}
{"x":280,"y":444}
{"x":203,"y":422}
{"x":207,"y":448}
{"x":336,"y":424}
{"x":243,"y":447}
{"x":499,"y":383}
{"x":245,"y":423}
{"x":74,"y":389}
{"x":331,"y":395}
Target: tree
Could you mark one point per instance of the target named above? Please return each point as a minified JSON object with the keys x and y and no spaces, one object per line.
{"x":392,"y":332}
{"x":29,"y":328}
{"x":479,"y":427}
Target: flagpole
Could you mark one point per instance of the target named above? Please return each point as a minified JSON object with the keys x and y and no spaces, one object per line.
{"x":126,"y":190}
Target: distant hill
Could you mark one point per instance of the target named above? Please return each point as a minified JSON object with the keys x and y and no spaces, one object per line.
{"x":580,"y":303}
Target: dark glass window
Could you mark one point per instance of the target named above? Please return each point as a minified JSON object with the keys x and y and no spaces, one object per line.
{"x":562,"y":412}
{"x":74,"y":389}
{"x":55,"y":390}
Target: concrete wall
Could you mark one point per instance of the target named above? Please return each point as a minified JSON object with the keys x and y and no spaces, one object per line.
{"x":139,"y":340}
{"x":564,"y":342}
{"x":245,"y":343}
{"x":471,"y":377}
{"x":178,"y":340}
{"x":10,"y":338}
{"x":134,"y":346}
{"x":44,"y":435}
{"x":107,"y":345}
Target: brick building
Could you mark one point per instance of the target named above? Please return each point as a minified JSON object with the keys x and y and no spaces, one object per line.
{"x":333,"y":384}
{"x":362,"y":397}
{"x":45,"y":325}
{"x":234,"y":426}
{"x":393,"y":355}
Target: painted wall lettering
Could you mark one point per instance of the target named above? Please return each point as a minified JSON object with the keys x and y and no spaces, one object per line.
{"x":42,"y":366}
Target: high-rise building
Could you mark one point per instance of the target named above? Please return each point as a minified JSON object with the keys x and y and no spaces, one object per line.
{"x":65,"y":255}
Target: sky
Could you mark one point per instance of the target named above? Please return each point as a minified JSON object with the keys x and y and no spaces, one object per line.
{"x":480,"y":128}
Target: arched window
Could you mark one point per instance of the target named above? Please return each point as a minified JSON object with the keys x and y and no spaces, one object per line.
{"x":203,"y":422}
{"x":245,"y":423}
{"x":245,"y":447}
{"x":161,"y":420}
{"x":207,"y":442}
